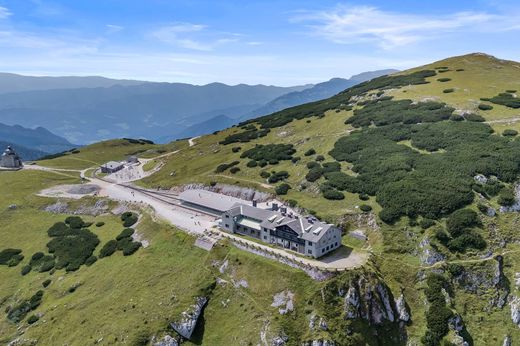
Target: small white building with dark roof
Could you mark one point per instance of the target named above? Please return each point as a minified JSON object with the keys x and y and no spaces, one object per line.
{"x":305,"y":235}
{"x":10,"y":159}
{"x":112,"y":167}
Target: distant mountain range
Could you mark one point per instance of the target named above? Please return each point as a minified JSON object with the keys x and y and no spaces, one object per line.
{"x":10,"y":82}
{"x":90,"y":109}
{"x":32,"y":143}
{"x":317,"y":92}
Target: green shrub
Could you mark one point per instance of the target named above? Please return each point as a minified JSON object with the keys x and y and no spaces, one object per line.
{"x":72,"y":247}
{"x":265,"y":174}
{"x":364,"y":197}
{"x":246,"y":136}
{"x":129,"y":219}
{"x":313,"y":164}
{"x":483,"y":208}
{"x":511,"y":91}
{"x":234,"y":170}
{"x":262,"y":163}
{"x":461,"y":220}
{"x":123,"y":242}
{"x":295,"y":159}
{"x":474,"y":117}
{"x":459,"y":70}
{"x":438,"y":314}
{"x":365,"y":208}
{"x":47,"y":265}
{"x":26,"y":270}
{"x":252,"y":164}
{"x":270,"y":152}
{"x":11,"y":257}
{"x":32,"y":319}
{"x":278,"y":176}
{"x":310,"y":152}
{"x":75,"y":222}
{"x":236,"y":149}
{"x":469,"y":239}
{"x":108,"y":249}
{"x":441,"y":235}
{"x":509,"y":132}
{"x":100,"y":224}
{"x":456,"y":117}
{"x":58,"y":229}
{"x":131,"y":248}
{"x":320,"y":158}
{"x":46,"y":283}
{"x":328,"y":167}
{"x":333,"y":194}
{"x":485,"y":107}
{"x":506,"y":197}
{"x":427,"y":223}
{"x":223,"y":167}
{"x":314,"y":174}
{"x":91,"y":260}
{"x":18,"y":313}
{"x":448,"y":91}
{"x":292,"y":203}
{"x":506,"y":99}
{"x":282,"y":189}
{"x":36,"y":256}
{"x":444,"y":80}
{"x":127,"y":232}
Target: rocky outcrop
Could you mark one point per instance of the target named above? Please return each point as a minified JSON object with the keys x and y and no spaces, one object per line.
{"x":514,"y":304}
{"x":284,"y":301}
{"x":319,"y":343}
{"x":370,"y":301}
{"x":279,"y":340}
{"x":167,"y":340}
{"x":402,"y":309}
{"x":507,"y":341}
{"x":186,"y":326}
{"x":429,"y":255}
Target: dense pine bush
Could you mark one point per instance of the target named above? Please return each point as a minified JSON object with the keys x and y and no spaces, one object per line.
{"x":314,"y":174}
{"x":506,"y":197}
{"x":11,"y":257}
{"x":71,"y":246}
{"x":278,"y":176}
{"x":252,"y":164}
{"x":246,"y":136}
{"x":282,"y":189}
{"x":485,"y":107}
{"x":127,"y":232}
{"x":310,"y":152}
{"x":129,"y":219}
{"x":32,"y":319}
{"x":75,"y":222}
{"x":269,"y":152}
{"x":443,"y":80}
{"x":338,"y":101}
{"x":100,"y":224}
{"x":474,"y":117}
{"x":365,"y":208}
{"x":234,"y":170}
{"x":108,"y":249}
{"x":265,"y":174}
{"x":509,"y":132}
{"x":506,"y":99}
{"x":225,"y":166}
{"x":448,"y":91}
{"x":46,"y":283}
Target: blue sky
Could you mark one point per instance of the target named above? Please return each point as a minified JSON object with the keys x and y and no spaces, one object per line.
{"x":268,"y":42}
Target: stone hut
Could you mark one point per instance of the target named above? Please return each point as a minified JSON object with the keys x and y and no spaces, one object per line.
{"x":10,"y":159}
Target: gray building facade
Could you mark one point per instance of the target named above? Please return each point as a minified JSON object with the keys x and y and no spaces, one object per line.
{"x":305,"y":235}
{"x":10,"y":159}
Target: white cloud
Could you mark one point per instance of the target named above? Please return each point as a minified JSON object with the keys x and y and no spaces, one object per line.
{"x":192,"y":36}
{"x":359,"y":24}
{"x":112,"y":28}
{"x":4,"y":12}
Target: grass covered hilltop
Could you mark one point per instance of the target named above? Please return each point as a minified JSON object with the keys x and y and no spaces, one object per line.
{"x":425,"y":162}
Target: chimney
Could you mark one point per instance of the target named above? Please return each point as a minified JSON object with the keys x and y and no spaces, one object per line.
{"x":254,"y":203}
{"x":275,"y":206}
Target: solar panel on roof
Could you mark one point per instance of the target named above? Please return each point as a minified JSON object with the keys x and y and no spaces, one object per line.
{"x":317,"y":230}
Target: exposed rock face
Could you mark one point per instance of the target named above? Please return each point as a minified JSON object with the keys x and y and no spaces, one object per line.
{"x":485,"y":278}
{"x":279,"y":340}
{"x":319,"y":343}
{"x":186,"y":326}
{"x":167,"y":340}
{"x":429,"y":255}
{"x":515,"y":310}
{"x":283,"y":301}
{"x":402,"y":311}
{"x":507,"y":341}
{"x":370,"y":301}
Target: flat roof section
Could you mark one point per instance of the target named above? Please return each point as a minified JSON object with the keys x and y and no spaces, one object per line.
{"x":210,"y":200}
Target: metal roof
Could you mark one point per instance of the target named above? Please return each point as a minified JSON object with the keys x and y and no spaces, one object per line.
{"x":112,"y":164}
{"x":208,"y":199}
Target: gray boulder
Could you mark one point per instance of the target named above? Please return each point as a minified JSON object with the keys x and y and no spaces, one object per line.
{"x":187,"y":324}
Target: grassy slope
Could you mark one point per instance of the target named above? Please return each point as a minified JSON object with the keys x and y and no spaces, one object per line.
{"x":123,"y":298}
{"x":483,"y":76}
{"x":99,"y":153}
